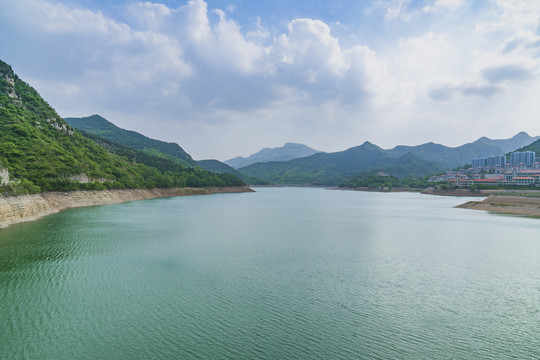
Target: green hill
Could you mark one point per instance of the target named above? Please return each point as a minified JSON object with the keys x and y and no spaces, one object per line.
{"x":97,"y":125}
{"x":104,"y":129}
{"x":535,"y":146}
{"x":333,"y":168}
{"x":39,"y":152}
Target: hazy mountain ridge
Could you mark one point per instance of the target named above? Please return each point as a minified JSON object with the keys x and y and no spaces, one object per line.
{"x":401,"y":161}
{"x":452,"y":157}
{"x":332,"y":168}
{"x":513,"y":144}
{"x":287,"y":152}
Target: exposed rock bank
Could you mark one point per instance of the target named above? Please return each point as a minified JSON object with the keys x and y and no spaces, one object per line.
{"x":31,"y":207}
{"x":456,"y":192}
{"x":521,"y":205}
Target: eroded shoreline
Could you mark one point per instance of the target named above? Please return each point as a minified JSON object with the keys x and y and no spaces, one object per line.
{"x":24,"y":208}
{"x":516,"y":202}
{"x":518,"y":205}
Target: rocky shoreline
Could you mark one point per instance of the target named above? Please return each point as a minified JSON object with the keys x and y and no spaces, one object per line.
{"x":456,"y":192}
{"x":519,"y":205}
{"x":23,"y":208}
{"x":518,"y":202}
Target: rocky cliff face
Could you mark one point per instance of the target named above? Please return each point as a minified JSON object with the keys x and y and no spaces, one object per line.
{"x":4,"y":176}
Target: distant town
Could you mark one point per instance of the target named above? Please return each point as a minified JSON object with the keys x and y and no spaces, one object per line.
{"x":519,"y":168}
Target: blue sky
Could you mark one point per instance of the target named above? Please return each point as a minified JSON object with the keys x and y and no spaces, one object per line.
{"x":226,"y":78}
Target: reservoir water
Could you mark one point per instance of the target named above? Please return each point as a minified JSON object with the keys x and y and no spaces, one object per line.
{"x":283,"y":273}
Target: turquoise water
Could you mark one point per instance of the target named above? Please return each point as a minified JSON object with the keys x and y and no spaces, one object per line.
{"x":283,"y":273}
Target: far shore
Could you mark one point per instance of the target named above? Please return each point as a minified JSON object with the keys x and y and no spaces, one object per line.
{"x":24,"y":208}
{"x":517,"y":202}
{"x":385,"y":190}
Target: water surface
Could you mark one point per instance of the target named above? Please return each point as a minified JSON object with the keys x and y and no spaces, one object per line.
{"x":284,"y":273}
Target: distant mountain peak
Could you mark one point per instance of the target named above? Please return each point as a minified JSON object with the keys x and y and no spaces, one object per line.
{"x":292,"y":144}
{"x":521,"y":134}
{"x":370,"y":146}
{"x":288,"y":151}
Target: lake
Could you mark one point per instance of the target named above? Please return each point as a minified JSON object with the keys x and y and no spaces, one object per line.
{"x":283,"y":273}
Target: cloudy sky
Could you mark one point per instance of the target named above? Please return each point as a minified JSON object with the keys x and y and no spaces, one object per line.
{"x":228,"y":77}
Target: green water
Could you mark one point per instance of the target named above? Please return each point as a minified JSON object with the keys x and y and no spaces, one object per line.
{"x":284,"y":273}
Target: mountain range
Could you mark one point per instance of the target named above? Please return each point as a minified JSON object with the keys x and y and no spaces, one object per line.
{"x":451,"y":157}
{"x":367,"y":159}
{"x":333,"y":168}
{"x":289,"y":151}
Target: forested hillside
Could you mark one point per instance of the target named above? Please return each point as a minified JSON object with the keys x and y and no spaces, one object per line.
{"x":39,"y":152}
{"x":97,"y":125}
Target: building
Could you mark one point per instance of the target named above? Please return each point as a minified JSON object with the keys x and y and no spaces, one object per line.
{"x":498,"y":161}
{"x":524,"y":159}
{"x":491,"y":162}
{"x":479,"y":163}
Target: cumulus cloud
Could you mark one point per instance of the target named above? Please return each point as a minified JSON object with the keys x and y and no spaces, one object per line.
{"x":442,"y":5}
{"x":199,"y":71}
{"x":511,"y":17}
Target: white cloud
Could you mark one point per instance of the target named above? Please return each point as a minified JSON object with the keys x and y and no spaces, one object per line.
{"x":150,"y":16}
{"x":193,"y":75}
{"x":396,"y":9}
{"x":260,"y":35}
{"x":310,"y":47}
{"x":512,"y":16}
{"x":442,"y":5}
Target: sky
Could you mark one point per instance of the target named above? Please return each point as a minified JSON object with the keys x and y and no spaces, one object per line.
{"x":225,"y":78}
